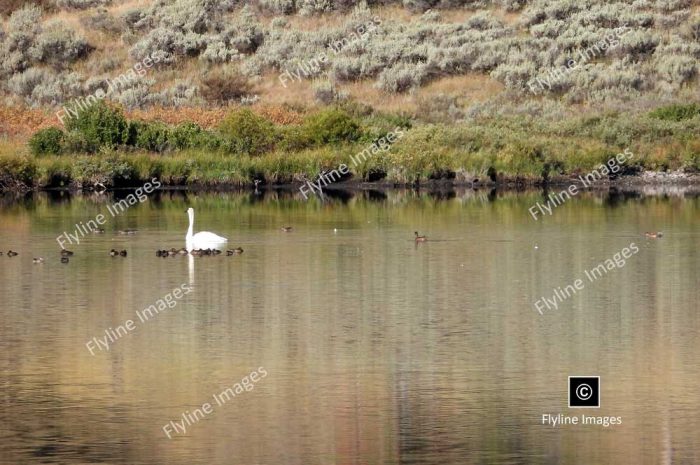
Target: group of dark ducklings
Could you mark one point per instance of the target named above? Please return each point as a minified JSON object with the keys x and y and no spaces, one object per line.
{"x":173,"y":252}
{"x":65,"y":253}
{"x":196,"y":252}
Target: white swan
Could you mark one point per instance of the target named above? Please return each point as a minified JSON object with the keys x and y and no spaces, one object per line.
{"x":203,"y":239}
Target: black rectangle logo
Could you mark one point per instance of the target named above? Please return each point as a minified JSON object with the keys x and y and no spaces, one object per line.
{"x":584,"y":391}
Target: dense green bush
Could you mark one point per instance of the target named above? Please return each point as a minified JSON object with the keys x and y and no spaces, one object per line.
{"x":101,"y":125}
{"x":75,"y":142}
{"x":185,"y":136}
{"x":293,"y":139}
{"x":48,"y":141}
{"x":331,"y":126}
{"x":191,"y":136}
{"x":109,"y":170}
{"x":17,"y":173}
{"x":246,"y":132}
{"x":676,"y":112}
{"x":153,"y":137}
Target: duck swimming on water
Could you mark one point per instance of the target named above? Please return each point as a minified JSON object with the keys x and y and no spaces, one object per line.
{"x":420,"y":238}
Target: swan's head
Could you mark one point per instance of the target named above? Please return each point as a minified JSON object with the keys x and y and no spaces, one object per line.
{"x":190,"y":211}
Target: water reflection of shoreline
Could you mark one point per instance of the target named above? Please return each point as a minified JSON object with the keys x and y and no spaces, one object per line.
{"x":391,"y":355}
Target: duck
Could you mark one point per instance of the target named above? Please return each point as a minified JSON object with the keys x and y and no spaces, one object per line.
{"x":202,"y":239}
{"x":0,"y":254}
{"x":37,"y":260}
{"x":66,"y":253}
{"x":654,"y":235}
{"x":10,"y":253}
{"x":98,"y":231}
{"x":113,"y":253}
{"x":420,"y":238}
{"x":196,"y":253}
{"x":64,"y":259}
{"x":159,"y":253}
{"x":287,"y":229}
{"x":182,"y":251}
{"x":236,"y":251}
{"x":129,"y":232}
{"x":172,"y":252}
{"x":122,"y":253}
{"x":216,"y":252}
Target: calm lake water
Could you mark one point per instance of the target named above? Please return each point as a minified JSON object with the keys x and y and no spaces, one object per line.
{"x":377,"y":350}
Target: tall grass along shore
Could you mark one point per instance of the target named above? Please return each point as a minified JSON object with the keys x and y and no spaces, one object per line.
{"x":102,"y":146}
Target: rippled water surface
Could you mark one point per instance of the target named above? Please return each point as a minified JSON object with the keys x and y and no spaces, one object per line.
{"x":377,"y":350}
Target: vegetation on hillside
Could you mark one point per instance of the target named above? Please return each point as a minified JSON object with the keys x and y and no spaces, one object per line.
{"x":45,"y":61}
{"x":220,"y":92}
{"x":103,"y":146}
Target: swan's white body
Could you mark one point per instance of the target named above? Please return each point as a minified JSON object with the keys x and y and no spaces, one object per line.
{"x":201,"y":240}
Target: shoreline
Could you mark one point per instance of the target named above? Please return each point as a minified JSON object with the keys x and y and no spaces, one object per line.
{"x":646,"y":181}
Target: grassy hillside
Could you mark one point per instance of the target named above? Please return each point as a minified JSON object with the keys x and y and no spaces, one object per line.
{"x":517,"y":88}
{"x":457,"y":60}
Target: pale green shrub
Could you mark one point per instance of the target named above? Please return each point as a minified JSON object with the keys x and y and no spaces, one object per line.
{"x":278,"y":23}
{"x":39,"y":86}
{"x":103,"y":21}
{"x":677,"y":69}
{"x":22,"y":29}
{"x":182,"y":93}
{"x":27,"y":42}
{"x":668,"y":6}
{"x":677,"y":45}
{"x":135,"y":95}
{"x":637,"y":43}
{"x":402,"y":78}
{"x":134,"y":19}
{"x":81,"y":4}
{"x":420,"y":5}
{"x":218,"y":51}
{"x":326,"y":92}
{"x":245,"y":34}
{"x":692,"y":29}
{"x":310,"y":7}
{"x":284,"y":7}
{"x":671,"y":20}
{"x":514,"y":76}
{"x":168,"y":44}
{"x":58,"y":46}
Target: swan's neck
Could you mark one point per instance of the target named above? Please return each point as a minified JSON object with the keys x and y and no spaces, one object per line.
{"x":189,"y":230}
